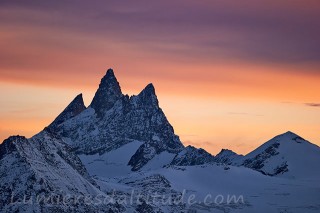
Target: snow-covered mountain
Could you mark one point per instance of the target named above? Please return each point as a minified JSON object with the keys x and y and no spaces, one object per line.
{"x":42,"y":167}
{"x":226,"y":156}
{"x":113,"y":120}
{"x":287,"y":155}
{"x":125,"y":148}
{"x":191,"y":156}
{"x":73,"y":109}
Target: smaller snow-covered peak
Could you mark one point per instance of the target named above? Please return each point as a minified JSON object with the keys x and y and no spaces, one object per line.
{"x":289,"y":134}
{"x":191,"y":156}
{"x":226,"y":152}
{"x":227,"y":156}
{"x":288,"y":137}
{"x":287,"y":155}
{"x":190,"y":148}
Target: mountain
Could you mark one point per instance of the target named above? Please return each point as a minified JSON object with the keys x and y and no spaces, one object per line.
{"x":191,"y":156}
{"x":72,"y":110}
{"x":113,"y":120}
{"x":120,"y":154}
{"x":39,"y":168}
{"x":108,"y":93}
{"x":226,"y":156}
{"x":286,"y":155}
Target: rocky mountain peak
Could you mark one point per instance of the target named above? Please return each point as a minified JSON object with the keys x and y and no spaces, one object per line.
{"x":110,"y":73}
{"x":147,"y":97}
{"x":226,"y":152}
{"x":190,"y":156}
{"x":149,"y":89}
{"x":227,"y":156}
{"x":8,"y":145}
{"x":108,"y":93}
{"x":74,"y":108}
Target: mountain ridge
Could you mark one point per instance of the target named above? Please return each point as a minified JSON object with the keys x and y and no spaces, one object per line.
{"x":119,"y":144}
{"x":114,"y":119}
{"x":135,"y":111}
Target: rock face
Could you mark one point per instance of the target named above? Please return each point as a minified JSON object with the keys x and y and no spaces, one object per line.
{"x":42,"y":166}
{"x":108,"y":93}
{"x":72,"y":110}
{"x":113,"y":120}
{"x":191,"y":156}
{"x":227,"y":156}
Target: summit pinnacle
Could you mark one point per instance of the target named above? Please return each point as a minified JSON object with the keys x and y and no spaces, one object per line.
{"x":108,"y":93}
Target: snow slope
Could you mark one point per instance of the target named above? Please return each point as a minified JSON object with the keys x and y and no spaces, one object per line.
{"x":214,"y":189}
{"x":287,"y":155}
{"x":261,"y":193}
{"x":111,"y":164}
{"x":42,"y":166}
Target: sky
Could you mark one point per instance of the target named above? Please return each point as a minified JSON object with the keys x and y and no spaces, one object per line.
{"x":228,"y":74}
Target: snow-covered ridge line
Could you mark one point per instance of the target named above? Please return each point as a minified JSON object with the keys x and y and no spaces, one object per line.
{"x":121,"y":145}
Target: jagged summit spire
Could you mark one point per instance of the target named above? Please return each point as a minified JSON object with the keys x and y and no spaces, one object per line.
{"x":110,"y":73}
{"x":74,"y":108}
{"x":149,"y":89}
{"x":108,"y":93}
{"x":148,"y":96}
{"x":78,"y":99}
